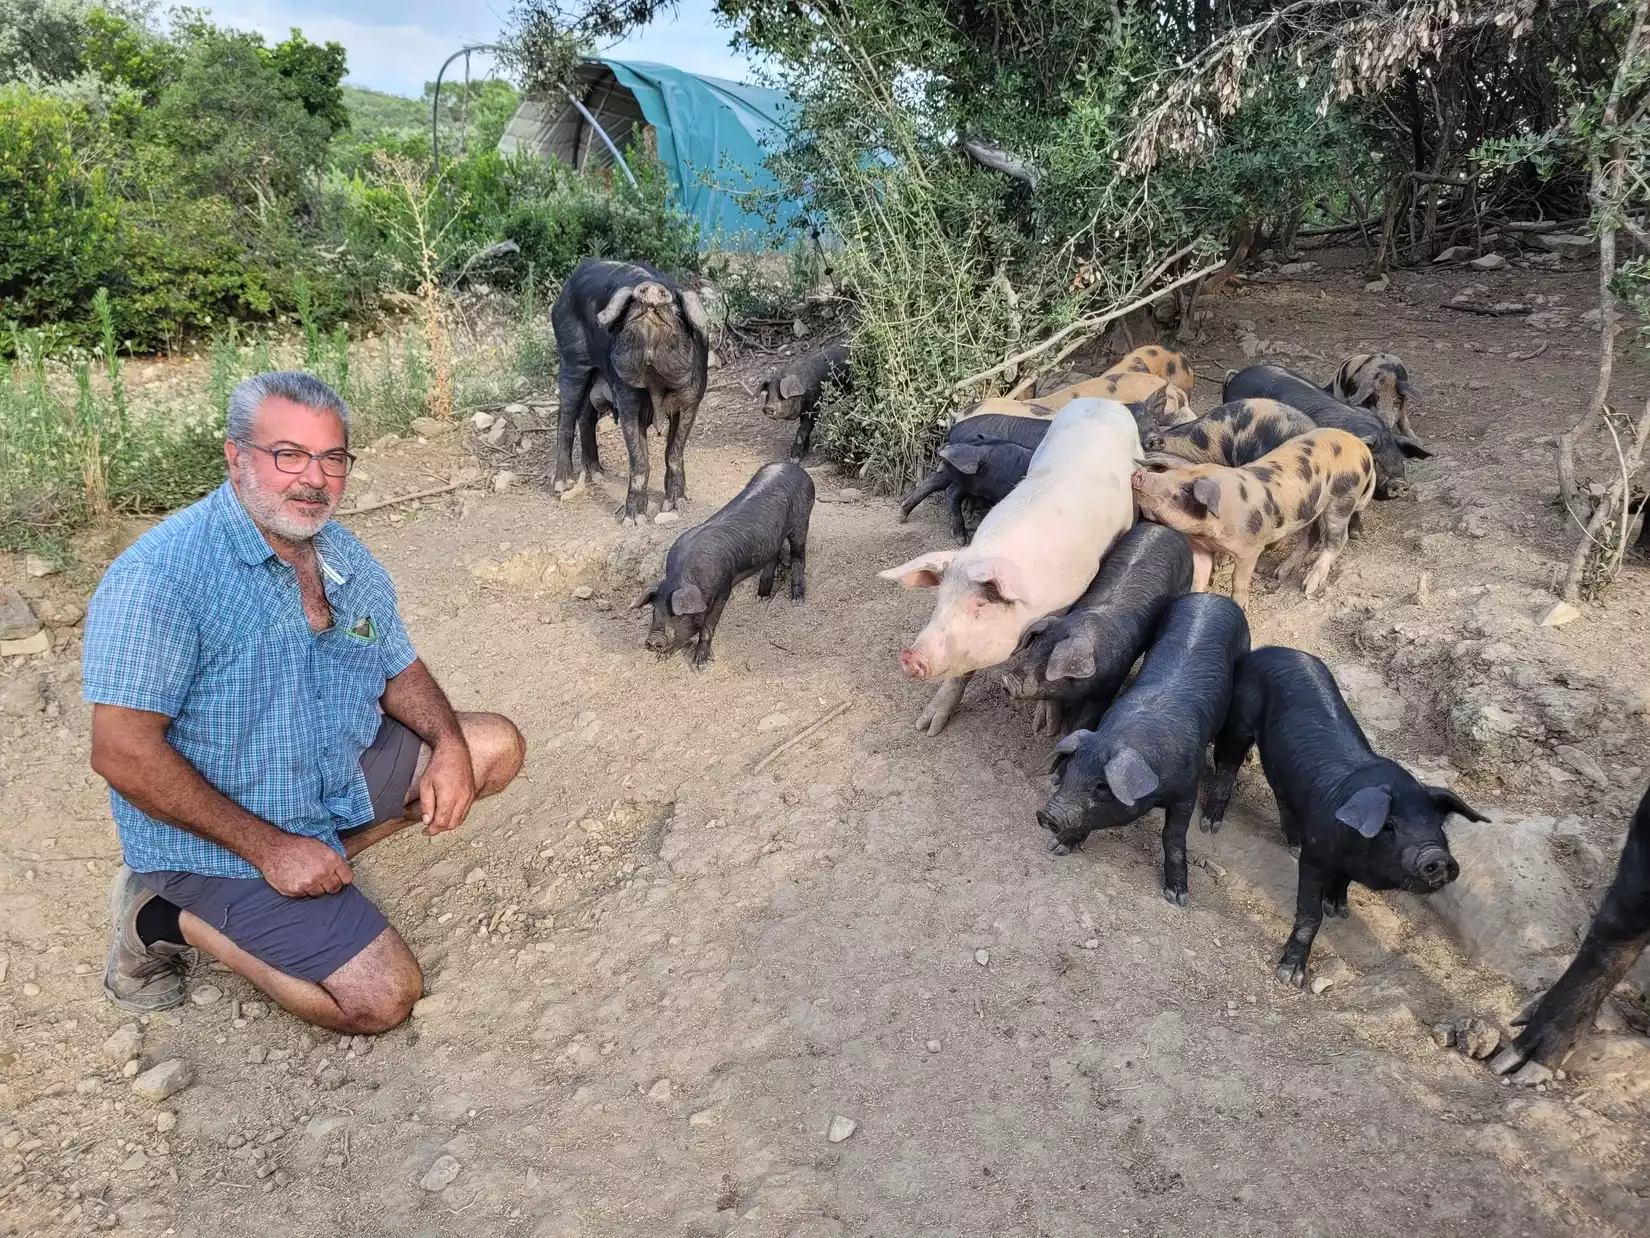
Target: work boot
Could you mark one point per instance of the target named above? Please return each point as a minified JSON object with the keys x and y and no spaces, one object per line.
{"x":137,"y":977}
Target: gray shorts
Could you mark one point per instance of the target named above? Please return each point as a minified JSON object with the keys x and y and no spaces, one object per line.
{"x":309,"y":938}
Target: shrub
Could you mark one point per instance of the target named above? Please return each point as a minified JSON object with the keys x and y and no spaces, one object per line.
{"x":60,"y":226}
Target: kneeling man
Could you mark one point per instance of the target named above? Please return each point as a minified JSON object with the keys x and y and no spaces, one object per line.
{"x":261,"y":718}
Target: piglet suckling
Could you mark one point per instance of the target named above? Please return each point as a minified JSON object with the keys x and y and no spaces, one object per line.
{"x":982,"y":470}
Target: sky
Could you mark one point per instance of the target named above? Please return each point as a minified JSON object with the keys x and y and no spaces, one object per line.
{"x":397,"y":45}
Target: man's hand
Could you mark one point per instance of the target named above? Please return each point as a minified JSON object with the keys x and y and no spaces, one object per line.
{"x":448,"y":787}
{"x":301,"y":867}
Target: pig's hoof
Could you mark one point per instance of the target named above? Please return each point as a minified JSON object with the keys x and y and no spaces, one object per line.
{"x":1509,"y":1059}
{"x":1058,"y":848}
{"x":1526,"y":1014}
{"x":1292,"y":973}
{"x":1178,"y":897}
{"x":1339,"y":910}
{"x":798,"y":593}
{"x":1295,"y":852}
{"x":1211,"y":825}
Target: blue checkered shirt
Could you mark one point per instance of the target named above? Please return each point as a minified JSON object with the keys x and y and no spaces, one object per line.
{"x":201,"y":621}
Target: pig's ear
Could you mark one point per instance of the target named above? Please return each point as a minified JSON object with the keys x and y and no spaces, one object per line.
{"x":1448,"y":801}
{"x":1364,"y":392}
{"x":1406,"y":392}
{"x":790,"y":386}
{"x":964,"y":457}
{"x":999,"y":576}
{"x":647,"y":598}
{"x":693,"y":309}
{"x":1366,"y":811}
{"x":1064,"y":749}
{"x":1072,"y":658}
{"x":614,"y":308}
{"x":923,"y":572}
{"x":1130,"y":778}
{"x":1411,"y":448}
{"x":1206,"y":490}
{"x":687,"y":601}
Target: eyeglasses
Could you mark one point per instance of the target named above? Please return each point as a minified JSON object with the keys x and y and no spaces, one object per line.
{"x":296,"y":459}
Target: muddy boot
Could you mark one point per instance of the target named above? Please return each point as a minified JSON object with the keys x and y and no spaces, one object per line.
{"x":137,"y":977}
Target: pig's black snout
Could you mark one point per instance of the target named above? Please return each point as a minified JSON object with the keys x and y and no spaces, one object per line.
{"x":1435,"y":867}
{"x":656,"y":641}
{"x":1047,"y":821}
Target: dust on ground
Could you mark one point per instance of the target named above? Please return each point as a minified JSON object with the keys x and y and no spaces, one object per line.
{"x":657,"y":978}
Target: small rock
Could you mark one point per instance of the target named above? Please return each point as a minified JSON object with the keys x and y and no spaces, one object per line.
{"x":332,"y":1078}
{"x":167,"y":1079}
{"x":515,"y":410}
{"x":799,"y":328}
{"x":705,"y":1117}
{"x":1478,"y":1039}
{"x":1091,"y":943}
{"x":254,"y":1010}
{"x":31,"y":990}
{"x":667,"y":517}
{"x":427,"y":1005}
{"x":773,"y":722}
{"x":482,"y":421}
{"x":602,"y":604}
{"x":934,"y":1046}
{"x":1530,"y":1074}
{"x":1320,"y":983}
{"x":1378,"y":285}
{"x":165,"y":1121}
{"x":660,"y":1090}
{"x":206,"y":995}
{"x":501,"y":435}
{"x":23,"y":697}
{"x":37,"y":567}
{"x":17,"y":621}
{"x":257,"y":1055}
{"x":848,"y":494}
{"x":124,"y":1044}
{"x":1578,"y":760}
{"x":442,"y":1174}
{"x":503,"y":480}
{"x":40,"y":642}
{"x":430,"y":427}
{"x":1297,"y":268}
{"x":583,"y":593}
{"x":1455,"y":253}
{"x":1443,"y":1035}
{"x":1558,"y":614}
{"x":474,"y":877}
{"x":841,"y":1128}
{"x":134,"y":1162}
{"x":130,"y":1070}
{"x":1423,"y":588}
{"x":982,"y":956}
{"x":1566,"y":243}
{"x":1489,"y":262}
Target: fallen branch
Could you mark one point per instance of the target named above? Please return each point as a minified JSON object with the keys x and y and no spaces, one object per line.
{"x":836,"y":711}
{"x":404,"y":498}
{"x":1501,"y":309}
{"x":1619,"y":495}
{"x":1091,"y":324}
{"x":1531,"y":355}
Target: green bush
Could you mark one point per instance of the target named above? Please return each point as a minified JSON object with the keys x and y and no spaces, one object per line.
{"x":60,"y":232}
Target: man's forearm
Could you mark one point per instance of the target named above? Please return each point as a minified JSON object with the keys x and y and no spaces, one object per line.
{"x":157,"y":780}
{"x":416,"y":701}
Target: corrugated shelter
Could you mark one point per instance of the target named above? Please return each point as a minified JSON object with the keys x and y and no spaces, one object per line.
{"x":711,"y":135}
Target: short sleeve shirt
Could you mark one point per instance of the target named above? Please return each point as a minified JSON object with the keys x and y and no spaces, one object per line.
{"x":201,"y":621}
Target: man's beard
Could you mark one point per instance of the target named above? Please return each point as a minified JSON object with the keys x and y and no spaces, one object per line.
{"x":268,"y":508}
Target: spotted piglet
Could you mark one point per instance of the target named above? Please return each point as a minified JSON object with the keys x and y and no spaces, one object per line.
{"x":1317,"y":481}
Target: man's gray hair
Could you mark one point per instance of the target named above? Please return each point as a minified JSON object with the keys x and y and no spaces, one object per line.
{"x":294,"y":385}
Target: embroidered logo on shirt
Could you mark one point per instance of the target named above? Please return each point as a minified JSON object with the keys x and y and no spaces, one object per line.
{"x":363,"y":630}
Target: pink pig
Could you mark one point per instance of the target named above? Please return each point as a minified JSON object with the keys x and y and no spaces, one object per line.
{"x":1033,"y":554}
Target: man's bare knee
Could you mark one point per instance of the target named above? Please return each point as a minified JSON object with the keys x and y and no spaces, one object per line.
{"x":497,"y":749}
{"x":375,"y":990}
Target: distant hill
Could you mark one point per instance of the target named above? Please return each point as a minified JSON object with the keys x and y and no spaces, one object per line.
{"x":372,"y":112}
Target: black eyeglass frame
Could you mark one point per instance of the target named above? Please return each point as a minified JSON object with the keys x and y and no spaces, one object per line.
{"x":275,"y":454}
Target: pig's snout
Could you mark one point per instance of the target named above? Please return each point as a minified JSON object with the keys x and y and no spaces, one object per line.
{"x":913,"y":664}
{"x":1049,"y":821}
{"x":655,"y":641}
{"x":1397,"y":488}
{"x":1434,"y":867}
{"x":1137,"y":479}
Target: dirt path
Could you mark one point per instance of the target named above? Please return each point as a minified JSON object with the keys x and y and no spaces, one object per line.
{"x":656,"y":977}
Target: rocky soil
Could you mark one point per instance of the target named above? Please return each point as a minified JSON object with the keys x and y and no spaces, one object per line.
{"x":850,"y":992}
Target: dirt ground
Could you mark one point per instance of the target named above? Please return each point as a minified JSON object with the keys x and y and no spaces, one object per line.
{"x":656,"y":976}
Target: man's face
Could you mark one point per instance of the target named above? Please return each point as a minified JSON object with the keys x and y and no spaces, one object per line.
{"x":293,"y":506}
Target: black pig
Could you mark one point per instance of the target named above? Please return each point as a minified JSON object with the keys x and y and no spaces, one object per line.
{"x":1073,"y":664}
{"x":1273,"y":382}
{"x":1148,"y":749}
{"x":631,"y":341}
{"x":793,"y":392}
{"x":1353,"y":815}
{"x":1618,"y":935}
{"x":745,"y":537}
{"x":985,"y":471}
